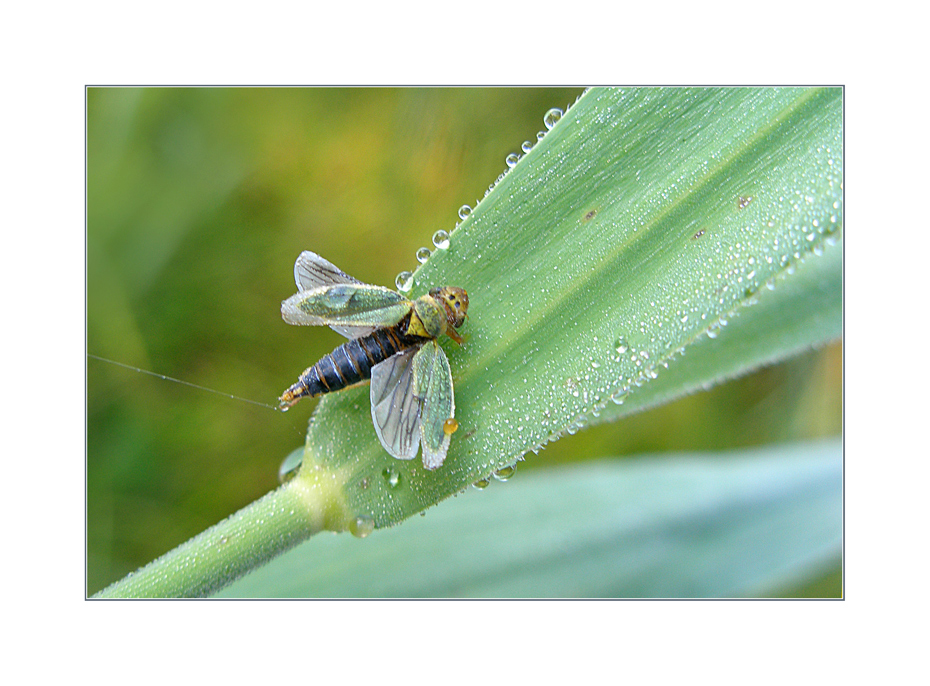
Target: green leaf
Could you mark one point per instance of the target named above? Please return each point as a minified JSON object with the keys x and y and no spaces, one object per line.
{"x":800,"y":308}
{"x":655,"y":241}
{"x":642,"y":224}
{"x":750,"y":523}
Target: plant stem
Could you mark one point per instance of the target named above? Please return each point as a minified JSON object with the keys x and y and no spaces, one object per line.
{"x":244,"y":541}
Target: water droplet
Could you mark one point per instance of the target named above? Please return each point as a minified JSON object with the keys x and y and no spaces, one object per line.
{"x":527,"y":146}
{"x":404,"y":281}
{"x":552,"y":117}
{"x":464,"y":212}
{"x":621,"y":395}
{"x":505,"y":473}
{"x":362,"y":526}
{"x":450,"y":426}
{"x":481,"y":484}
{"x":392,"y":476}
{"x":441,"y":239}
{"x":423,"y":255}
{"x":744,"y":201}
{"x":620,"y":346}
{"x":512,"y":159}
{"x":569,"y":383}
{"x":290,"y":466}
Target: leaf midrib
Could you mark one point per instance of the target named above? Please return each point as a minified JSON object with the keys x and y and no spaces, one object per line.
{"x":582,"y":282}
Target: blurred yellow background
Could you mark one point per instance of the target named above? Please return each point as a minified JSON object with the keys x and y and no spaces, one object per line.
{"x":199,"y":201}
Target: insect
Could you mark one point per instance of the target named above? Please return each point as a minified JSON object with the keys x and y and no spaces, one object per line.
{"x":392,"y":341}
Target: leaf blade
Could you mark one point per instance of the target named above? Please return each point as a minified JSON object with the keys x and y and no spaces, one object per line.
{"x":675,"y":206}
{"x":747,"y":523}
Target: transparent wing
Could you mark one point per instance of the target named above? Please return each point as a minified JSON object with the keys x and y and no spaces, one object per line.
{"x":312,"y":271}
{"x":432,"y":384}
{"x":395,"y":410}
{"x":347,"y":304}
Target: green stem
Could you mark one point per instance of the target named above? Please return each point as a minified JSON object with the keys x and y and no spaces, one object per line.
{"x":244,"y":541}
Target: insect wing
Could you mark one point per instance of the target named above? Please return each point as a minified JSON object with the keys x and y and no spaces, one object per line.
{"x":395,"y":409}
{"x":432,"y":384}
{"x":347,"y":304}
{"x":312,"y":271}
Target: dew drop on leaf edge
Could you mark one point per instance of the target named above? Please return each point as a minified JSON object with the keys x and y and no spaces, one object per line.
{"x":441,"y":239}
{"x":552,"y":117}
{"x":505,"y":473}
{"x":362,"y":526}
{"x":404,"y":281}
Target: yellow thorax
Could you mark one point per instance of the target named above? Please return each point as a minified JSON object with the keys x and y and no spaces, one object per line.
{"x":427,"y":319}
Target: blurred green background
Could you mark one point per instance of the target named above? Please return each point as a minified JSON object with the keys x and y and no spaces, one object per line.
{"x":199,"y":201}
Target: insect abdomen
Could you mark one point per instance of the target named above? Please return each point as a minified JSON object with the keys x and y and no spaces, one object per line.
{"x":348,"y":364}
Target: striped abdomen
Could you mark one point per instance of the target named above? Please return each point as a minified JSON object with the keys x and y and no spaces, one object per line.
{"x":350,"y":363}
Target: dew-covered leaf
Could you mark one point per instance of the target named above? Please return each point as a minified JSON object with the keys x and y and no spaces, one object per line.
{"x":642,"y":227}
{"x":652,"y":243}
